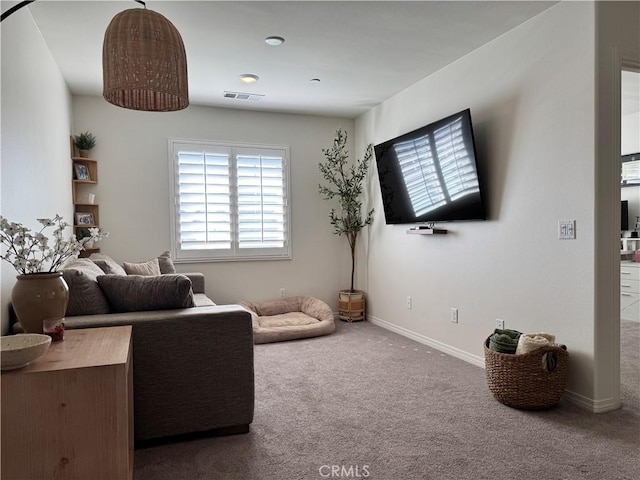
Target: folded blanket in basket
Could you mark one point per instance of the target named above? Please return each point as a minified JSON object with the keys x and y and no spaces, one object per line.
{"x":504,"y":341}
{"x":528,"y":342}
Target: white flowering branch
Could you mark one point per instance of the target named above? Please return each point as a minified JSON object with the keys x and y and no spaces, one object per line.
{"x":31,"y":253}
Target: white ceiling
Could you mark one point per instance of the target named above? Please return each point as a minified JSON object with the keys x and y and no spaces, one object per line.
{"x":363,"y":52}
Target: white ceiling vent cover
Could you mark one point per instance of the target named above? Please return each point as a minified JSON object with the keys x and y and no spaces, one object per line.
{"x":243,"y":96}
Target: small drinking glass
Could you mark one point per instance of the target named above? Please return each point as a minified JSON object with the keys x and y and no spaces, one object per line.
{"x":54,"y":327}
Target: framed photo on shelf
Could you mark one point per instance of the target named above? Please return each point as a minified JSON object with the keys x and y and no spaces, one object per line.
{"x":83,"y":218}
{"x":81,"y":171}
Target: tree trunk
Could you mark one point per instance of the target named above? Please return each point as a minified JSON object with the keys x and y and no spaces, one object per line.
{"x":352,"y":244}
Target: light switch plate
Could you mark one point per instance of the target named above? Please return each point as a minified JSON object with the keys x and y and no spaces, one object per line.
{"x":567,"y":229}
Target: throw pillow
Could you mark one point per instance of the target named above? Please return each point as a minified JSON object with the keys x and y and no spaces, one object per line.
{"x":166,"y":263}
{"x":150,"y":268}
{"x":136,"y":293}
{"x":85,"y":295}
{"x":107,"y":264}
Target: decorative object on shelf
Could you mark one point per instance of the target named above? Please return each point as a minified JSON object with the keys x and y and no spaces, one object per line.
{"x":40,"y":291}
{"x":345,"y":182}
{"x":84,"y":219}
{"x":85,"y":142}
{"x":82,"y":172}
{"x":144,"y":62}
{"x":21,"y":349}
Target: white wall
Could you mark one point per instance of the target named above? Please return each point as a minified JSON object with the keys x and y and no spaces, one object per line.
{"x":630,"y":133}
{"x":35,"y":163}
{"x":133,"y":193}
{"x":630,"y":144}
{"x":531,"y":94}
{"x":617,"y":26}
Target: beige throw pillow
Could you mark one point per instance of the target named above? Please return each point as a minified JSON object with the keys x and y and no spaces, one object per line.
{"x":148,"y":269}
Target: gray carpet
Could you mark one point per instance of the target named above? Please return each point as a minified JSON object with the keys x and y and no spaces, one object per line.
{"x":372,"y":404}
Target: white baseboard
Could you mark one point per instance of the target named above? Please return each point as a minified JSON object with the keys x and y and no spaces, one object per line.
{"x":594,"y":406}
{"x":443,"y":347}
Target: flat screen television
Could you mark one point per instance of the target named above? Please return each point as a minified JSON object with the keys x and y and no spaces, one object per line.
{"x":624,"y":215}
{"x":431,"y":174}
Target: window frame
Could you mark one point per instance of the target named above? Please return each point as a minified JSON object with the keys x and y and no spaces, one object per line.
{"x":234,"y":253}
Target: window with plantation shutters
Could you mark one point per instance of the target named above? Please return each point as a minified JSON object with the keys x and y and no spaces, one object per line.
{"x":437,"y":168}
{"x":230,"y":202}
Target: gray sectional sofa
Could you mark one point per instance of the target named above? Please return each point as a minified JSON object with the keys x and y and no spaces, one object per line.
{"x":192,"y":365}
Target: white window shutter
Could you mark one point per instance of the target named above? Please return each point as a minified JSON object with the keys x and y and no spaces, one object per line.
{"x":231,"y":202}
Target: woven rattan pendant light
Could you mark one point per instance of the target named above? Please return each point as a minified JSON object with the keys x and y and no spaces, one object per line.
{"x":144,"y":64}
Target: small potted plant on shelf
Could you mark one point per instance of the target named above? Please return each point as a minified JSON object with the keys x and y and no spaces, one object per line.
{"x":84,"y":142}
{"x":345,"y":182}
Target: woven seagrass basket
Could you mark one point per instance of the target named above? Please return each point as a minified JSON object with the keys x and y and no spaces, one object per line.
{"x":529,"y":381}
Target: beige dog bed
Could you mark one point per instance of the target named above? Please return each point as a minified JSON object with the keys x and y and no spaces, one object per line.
{"x":289,"y":318}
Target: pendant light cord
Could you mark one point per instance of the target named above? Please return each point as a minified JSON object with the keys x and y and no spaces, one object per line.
{"x":18,"y":6}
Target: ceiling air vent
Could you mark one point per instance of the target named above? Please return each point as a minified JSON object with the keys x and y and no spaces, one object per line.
{"x":243,"y":96}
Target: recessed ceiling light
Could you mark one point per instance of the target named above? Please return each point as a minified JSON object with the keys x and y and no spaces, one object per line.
{"x":249,"y":78}
{"x":274,"y":41}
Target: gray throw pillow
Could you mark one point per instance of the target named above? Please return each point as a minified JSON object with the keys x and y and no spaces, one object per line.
{"x":166,"y":263}
{"x":107,"y":264}
{"x":85,"y":295}
{"x":136,"y":293}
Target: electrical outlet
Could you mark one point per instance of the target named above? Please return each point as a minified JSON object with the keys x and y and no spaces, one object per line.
{"x":500,"y":324}
{"x":283,"y":293}
{"x":409,"y":304}
{"x":454,"y":315}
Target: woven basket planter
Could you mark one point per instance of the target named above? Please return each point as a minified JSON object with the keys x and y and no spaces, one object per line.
{"x":529,"y":381}
{"x":351,"y":305}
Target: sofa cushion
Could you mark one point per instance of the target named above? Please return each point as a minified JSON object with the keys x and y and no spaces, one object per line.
{"x":107,"y":264}
{"x":85,"y":295}
{"x":135,"y":293}
{"x":166,"y":263}
{"x":148,"y":268}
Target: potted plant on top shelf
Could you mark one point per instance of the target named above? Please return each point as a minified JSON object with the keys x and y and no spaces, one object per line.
{"x":84,"y":142}
{"x":345,"y":182}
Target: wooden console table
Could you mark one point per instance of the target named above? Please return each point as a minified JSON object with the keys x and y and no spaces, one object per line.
{"x":69,"y":414}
